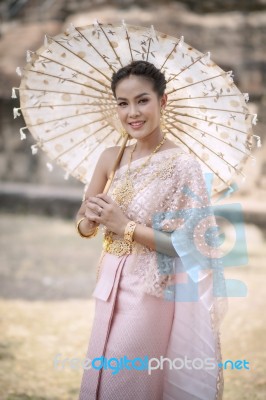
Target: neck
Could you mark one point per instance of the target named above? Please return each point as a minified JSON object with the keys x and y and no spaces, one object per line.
{"x":146,"y":145}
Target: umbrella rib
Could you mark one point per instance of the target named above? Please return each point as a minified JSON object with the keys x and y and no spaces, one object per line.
{"x":65,"y":133}
{"x":190,"y":149}
{"x":72,"y":69}
{"x":128,"y":40}
{"x":66,"y":105}
{"x":169,"y":55}
{"x":213,"y":109}
{"x":113,"y":130}
{"x":67,"y":80}
{"x":55,"y":91}
{"x":187,"y":67}
{"x":86,"y":62}
{"x":207,"y":133}
{"x":67,"y":117}
{"x":149,"y":45}
{"x":77,"y":144}
{"x":94,"y":48}
{"x":217,"y":155}
{"x":168,"y":104}
{"x":207,"y":120}
{"x":195,"y":83}
{"x":118,"y":140}
{"x":92,"y":150}
{"x":110,"y":44}
{"x":203,"y":97}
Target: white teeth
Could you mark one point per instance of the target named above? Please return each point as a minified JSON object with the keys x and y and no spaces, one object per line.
{"x":136,"y":123}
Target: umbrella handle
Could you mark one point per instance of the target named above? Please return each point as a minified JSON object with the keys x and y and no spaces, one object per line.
{"x":117,"y":161}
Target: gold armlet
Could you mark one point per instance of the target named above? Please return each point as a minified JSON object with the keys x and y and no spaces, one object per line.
{"x":129,"y":231}
{"x":94,"y":233}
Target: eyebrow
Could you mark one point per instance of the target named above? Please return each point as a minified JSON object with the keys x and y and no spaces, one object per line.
{"x":136,"y":97}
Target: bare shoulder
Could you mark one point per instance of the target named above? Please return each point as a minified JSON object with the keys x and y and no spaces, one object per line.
{"x":108,"y":158}
{"x":110,"y":153}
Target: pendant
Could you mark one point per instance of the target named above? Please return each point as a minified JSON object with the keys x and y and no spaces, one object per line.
{"x":124,"y":193}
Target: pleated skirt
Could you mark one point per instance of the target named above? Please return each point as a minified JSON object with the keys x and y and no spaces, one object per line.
{"x":127,"y":323}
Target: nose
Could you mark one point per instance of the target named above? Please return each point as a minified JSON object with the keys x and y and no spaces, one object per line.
{"x":133,"y":111}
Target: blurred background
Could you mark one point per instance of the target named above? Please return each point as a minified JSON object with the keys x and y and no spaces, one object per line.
{"x":47,"y":273}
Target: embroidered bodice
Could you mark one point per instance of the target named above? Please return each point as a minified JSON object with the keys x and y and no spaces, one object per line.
{"x":171,"y":181}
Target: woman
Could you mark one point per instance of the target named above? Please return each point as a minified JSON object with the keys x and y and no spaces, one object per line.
{"x":141,"y":305}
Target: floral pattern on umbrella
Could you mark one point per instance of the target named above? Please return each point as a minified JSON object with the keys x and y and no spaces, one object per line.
{"x":68,"y":106}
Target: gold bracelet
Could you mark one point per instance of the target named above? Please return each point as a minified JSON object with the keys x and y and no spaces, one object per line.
{"x":94,"y":233}
{"x":129,"y":231}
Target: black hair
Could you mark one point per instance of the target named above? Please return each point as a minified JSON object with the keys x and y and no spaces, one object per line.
{"x":141,"y":68}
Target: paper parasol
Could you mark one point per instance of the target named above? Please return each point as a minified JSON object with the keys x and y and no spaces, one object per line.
{"x":68,"y":106}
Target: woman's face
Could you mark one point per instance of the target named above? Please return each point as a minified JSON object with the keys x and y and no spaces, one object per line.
{"x":138,"y":106}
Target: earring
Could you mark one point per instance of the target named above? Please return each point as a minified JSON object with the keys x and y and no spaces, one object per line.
{"x":162,"y":120}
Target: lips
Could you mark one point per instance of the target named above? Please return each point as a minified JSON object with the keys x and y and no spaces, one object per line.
{"x":136,"y":124}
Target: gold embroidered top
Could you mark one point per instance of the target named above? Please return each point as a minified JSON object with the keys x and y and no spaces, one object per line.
{"x":159,"y":188}
{"x":170,"y":184}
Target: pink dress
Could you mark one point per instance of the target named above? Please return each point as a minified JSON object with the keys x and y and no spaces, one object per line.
{"x":141,"y":310}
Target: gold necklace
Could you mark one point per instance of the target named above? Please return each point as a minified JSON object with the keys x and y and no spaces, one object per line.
{"x":124,"y":193}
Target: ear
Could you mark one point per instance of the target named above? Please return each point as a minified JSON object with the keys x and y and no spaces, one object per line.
{"x":163,"y":101}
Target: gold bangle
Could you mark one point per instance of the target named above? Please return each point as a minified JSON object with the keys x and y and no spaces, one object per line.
{"x":94,"y":233}
{"x":129,"y":231}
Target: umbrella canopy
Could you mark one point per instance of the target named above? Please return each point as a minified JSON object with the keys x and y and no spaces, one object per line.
{"x":68,"y":106}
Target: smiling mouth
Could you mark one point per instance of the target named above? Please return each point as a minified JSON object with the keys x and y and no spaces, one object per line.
{"x":137,"y":124}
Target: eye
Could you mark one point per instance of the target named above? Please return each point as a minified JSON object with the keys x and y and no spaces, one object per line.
{"x":122,"y":104}
{"x":143,"y":101}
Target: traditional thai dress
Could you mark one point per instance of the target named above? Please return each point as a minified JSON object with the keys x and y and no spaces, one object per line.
{"x":149,"y":305}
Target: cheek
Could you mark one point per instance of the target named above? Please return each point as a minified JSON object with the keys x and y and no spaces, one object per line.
{"x":121,"y":113}
{"x":152,"y":110}
{"x":153,"y":115}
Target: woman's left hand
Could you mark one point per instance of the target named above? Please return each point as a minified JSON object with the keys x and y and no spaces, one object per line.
{"x":107,"y":213}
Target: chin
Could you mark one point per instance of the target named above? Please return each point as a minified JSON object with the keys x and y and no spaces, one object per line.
{"x":135,"y":135}
{"x":139,"y":135}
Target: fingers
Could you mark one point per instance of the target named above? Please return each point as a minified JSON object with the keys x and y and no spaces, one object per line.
{"x":92,"y":213}
{"x":105,"y":198}
{"x":94,"y":208}
{"x":98,"y":201}
{"x":99,"y":208}
{"x":93,"y":217}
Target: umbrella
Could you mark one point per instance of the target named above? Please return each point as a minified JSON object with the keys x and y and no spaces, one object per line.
{"x":68,"y":106}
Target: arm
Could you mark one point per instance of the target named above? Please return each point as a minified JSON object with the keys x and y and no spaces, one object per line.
{"x":96,"y":186}
{"x":115,"y":221}
{"x":112,"y":216}
{"x":154,"y":239}
{"x":170,"y":237}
